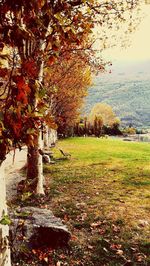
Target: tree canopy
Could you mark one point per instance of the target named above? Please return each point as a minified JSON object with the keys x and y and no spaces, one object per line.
{"x":67,"y":84}
{"x":104,"y":112}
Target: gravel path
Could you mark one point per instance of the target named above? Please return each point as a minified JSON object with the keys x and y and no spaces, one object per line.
{"x":12,"y":171}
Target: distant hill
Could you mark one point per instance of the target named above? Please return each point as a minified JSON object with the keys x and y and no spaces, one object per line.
{"x":127,"y":93}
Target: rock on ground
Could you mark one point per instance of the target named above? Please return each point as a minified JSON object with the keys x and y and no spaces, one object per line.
{"x":36,"y":228}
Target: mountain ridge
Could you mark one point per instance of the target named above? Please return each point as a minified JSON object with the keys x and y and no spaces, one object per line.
{"x":128,"y":94}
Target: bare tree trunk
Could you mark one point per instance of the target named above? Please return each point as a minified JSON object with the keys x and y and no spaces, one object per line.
{"x":32,"y":162}
{"x":35,"y":162}
{"x":40,"y":177}
{"x":50,"y":137}
{"x":46,"y":138}
{"x":35,"y":166}
{"x":4,"y":230}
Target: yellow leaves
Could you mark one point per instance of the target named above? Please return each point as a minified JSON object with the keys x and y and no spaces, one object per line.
{"x":58,"y":16}
{"x":50,"y":121}
{"x":103,"y":111}
{"x":87,"y":76}
{"x":62,"y":18}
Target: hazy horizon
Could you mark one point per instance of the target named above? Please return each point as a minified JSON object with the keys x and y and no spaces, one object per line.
{"x":139,"y":48}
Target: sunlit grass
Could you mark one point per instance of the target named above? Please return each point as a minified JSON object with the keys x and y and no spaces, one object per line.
{"x":106,"y":180}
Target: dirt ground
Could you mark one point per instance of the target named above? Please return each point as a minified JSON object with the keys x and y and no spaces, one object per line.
{"x":12,"y":173}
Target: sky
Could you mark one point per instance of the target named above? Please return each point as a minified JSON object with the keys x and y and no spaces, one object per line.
{"x":139,"y":49}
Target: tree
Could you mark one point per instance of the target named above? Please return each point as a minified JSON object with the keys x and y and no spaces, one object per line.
{"x":129,"y":130}
{"x":103,"y":111}
{"x":68,"y":82}
{"x":97,"y":126}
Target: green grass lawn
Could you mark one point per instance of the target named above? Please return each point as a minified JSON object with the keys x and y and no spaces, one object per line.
{"x":103,"y":194}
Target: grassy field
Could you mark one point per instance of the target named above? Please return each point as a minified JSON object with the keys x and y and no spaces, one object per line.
{"x":102,"y":193}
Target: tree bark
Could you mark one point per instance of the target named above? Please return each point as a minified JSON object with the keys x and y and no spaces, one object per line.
{"x":35,"y":162}
{"x":32,"y":162}
{"x":40,"y":177}
{"x":4,"y":230}
{"x":46,"y":138}
{"x":35,"y":166}
{"x":50,"y":137}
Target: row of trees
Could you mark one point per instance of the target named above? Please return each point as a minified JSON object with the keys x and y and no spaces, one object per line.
{"x":37,"y":34}
{"x":70,"y":78}
{"x":101,"y":120}
{"x":96,"y":129}
{"x":42,"y":36}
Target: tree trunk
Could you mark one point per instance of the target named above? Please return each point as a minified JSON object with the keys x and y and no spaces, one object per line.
{"x":35,"y":163}
{"x":4,"y":230}
{"x":52,"y":137}
{"x":35,"y":166}
{"x":46,"y":138}
{"x":32,"y":162}
{"x":40,"y":183}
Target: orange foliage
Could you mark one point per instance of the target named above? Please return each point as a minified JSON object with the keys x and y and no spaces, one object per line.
{"x":30,"y":68}
{"x":68,"y":81}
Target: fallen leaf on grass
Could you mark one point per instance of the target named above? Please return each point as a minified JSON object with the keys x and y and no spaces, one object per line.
{"x":119,"y":252}
{"x":115,"y":246}
{"x":62,"y":256}
{"x":128,"y":263}
{"x":74,"y":238}
{"x":140,"y":257}
{"x":143,"y":223}
{"x":96,"y":224}
{"x":81,"y":204}
{"x":46,"y":259}
{"x":65,"y":218}
{"x":102,"y":231}
{"x":83,"y":216}
{"x":133,"y":249}
{"x":33,"y":251}
{"x":115,"y":228}
{"x":105,"y":249}
{"x":90,"y":247}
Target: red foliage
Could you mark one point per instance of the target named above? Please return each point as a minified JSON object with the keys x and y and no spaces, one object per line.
{"x":23,"y":90}
{"x":3,"y":72}
{"x":51,"y":60}
{"x":22,"y":97}
{"x":30,"y":68}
